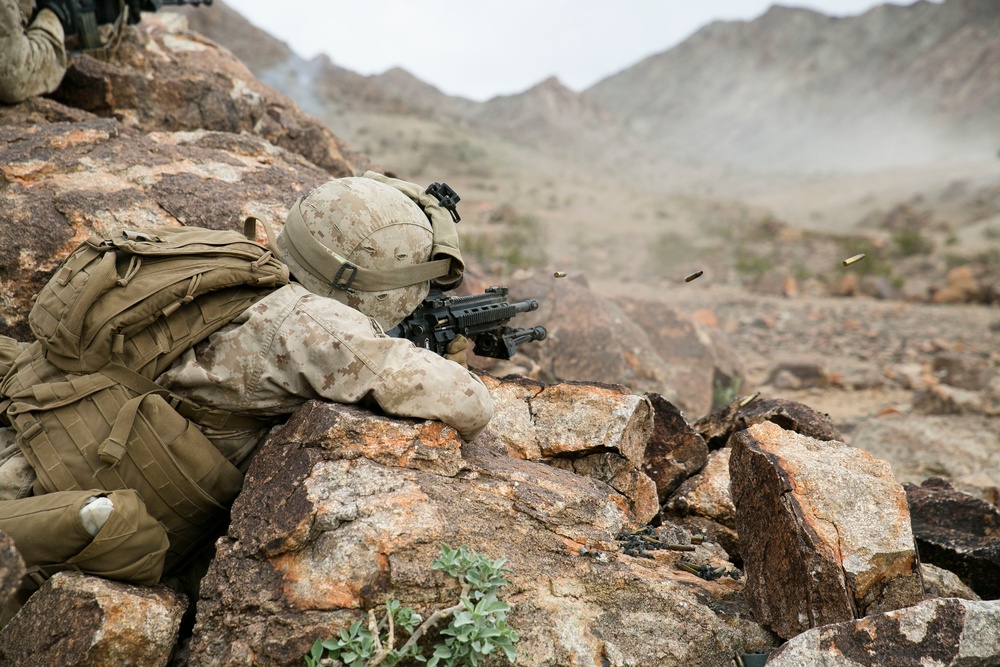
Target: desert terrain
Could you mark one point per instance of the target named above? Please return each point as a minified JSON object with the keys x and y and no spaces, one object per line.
{"x":647,"y":178}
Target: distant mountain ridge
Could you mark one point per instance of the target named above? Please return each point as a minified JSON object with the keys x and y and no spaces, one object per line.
{"x":793,"y":89}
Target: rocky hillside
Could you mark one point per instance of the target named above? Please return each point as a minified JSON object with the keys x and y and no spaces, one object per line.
{"x":792,"y":89}
{"x":648,"y":506}
{"x":795,"y":88}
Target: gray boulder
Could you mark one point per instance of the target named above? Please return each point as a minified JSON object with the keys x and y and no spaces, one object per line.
{"x":824,"y":531}
{"x":79,"y":620}
{"x":946,"y":632}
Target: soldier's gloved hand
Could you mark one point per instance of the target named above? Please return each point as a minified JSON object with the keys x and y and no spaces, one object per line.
{"x":62,"y":10}
{"x":456,"y":351}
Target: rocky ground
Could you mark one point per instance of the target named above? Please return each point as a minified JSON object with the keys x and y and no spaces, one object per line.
{"x":914,"y":383}
{"x":343,"y":508}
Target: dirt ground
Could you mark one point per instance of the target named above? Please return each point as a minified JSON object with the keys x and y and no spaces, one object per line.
{"x":874,"y":367}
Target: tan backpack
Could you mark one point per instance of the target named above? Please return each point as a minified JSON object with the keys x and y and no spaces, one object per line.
{"x":114,"y":316}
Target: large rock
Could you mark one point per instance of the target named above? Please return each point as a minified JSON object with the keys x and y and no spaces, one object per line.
{"x":699,"y":359}
{"x":576,"y":319}
{"x":64,"y":179}
{"x":824,"y":531}
{"x":343,"y":509}
{"x":644,"y":346}
{"x":598,"y":431}
{"x":79,"y":620}
{"x":166,"y":77}
{"x":674,"y":451}
{"x":741,"y":413}
{"x":958,"y":532}
{"x":945,"y":633}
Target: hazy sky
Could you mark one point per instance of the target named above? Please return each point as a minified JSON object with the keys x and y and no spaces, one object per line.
{"x":480,"y":49}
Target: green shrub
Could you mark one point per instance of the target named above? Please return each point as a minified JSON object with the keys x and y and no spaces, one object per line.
{"x":510,"y":238}
{"x":910,"y":242}
{"x":748,"y":263}
{"x":477,"y":622}
{"x":724,"y":393}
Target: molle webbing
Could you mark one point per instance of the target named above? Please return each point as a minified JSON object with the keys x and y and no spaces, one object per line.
{"x":184,"y":279}
{"x":83,"y":397}
{"x":93,"y":432}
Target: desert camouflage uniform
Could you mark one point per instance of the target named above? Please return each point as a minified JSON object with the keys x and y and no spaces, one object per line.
{"x":32,"y":57}
{"x":294,"y":346}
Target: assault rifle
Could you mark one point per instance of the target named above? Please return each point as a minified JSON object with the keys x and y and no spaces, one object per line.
{"x":482,"y":318}
{"x":82,"y":18}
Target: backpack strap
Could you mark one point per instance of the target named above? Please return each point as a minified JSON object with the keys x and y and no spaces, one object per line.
{"x":213,"y":418}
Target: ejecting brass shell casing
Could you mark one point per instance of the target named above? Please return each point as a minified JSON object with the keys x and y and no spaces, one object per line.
{"x":855,"y":258}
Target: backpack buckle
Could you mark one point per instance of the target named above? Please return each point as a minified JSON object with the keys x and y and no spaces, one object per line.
{"x":349,"y":280}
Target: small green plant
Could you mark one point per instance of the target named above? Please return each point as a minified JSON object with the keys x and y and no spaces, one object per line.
{"x":508,"y":238}
{"x":477,"y":623}
{"x":724,"y":393}
{"x":910,"y":242}
{"x":748,"y":263}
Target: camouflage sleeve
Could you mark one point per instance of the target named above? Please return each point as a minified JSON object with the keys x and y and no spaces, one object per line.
{"x":294,"y":346}
{"x":32,"y":59}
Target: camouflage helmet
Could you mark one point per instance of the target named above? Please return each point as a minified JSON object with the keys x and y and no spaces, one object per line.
{"x":368,"y":242}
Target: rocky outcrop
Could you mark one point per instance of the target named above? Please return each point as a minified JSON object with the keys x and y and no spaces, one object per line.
{"x":958,"y":532}
{"x":75,"y":619}
{"x":166,"y":77}
{"x":698,"y":358}
{"x":947,"y":632}
{"x":174,"y":130}
{"x":742,"y":413}
{"x":646,"y":347}
{"x":343,"y":509}
{"x":824,"y":531}
{"x":603,"y":436}
{"x":674,"y":450}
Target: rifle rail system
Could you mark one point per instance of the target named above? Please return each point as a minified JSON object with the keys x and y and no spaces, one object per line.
{"x":482,"y":318}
